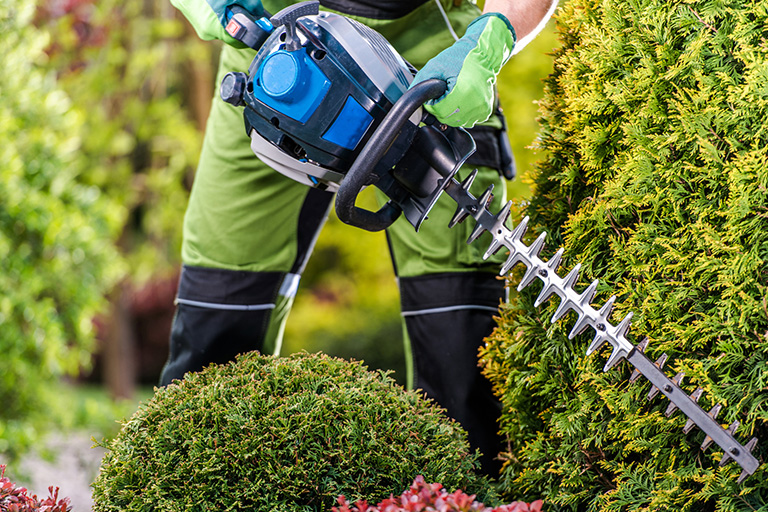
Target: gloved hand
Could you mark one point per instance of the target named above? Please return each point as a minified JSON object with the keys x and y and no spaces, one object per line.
{"x":209,"y":17}
{"x":470,"y":67}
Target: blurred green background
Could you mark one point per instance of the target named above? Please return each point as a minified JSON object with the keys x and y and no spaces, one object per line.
{"x":104,"y":102}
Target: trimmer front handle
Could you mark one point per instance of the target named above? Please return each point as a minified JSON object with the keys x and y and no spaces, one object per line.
{"x":362,"y":174}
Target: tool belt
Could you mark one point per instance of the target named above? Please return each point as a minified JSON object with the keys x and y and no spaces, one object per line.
{"x":493,"y":149}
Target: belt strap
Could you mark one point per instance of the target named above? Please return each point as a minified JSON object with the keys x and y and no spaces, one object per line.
{"x":493,"y":149}
{"x":374,"y":9}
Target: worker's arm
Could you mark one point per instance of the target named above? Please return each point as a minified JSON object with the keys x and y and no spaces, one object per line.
{"x":528,"y":17}
{"x":209,"y":17}
{"x":470,"y":66}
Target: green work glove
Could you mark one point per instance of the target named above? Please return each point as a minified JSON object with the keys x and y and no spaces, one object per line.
{"x":470,"y":67}
{"x":209,"y":17}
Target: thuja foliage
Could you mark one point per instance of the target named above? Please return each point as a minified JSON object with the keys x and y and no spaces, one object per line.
{"x":655,"y":178}
{"x":286,"y":434}
{"x":55,"y":232}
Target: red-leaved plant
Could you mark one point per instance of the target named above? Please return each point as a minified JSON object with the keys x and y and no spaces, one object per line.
{"x":424,"y":497}
{"x":16,"y":499}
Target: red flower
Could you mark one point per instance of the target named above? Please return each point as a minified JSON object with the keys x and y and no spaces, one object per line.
{"x":423,"y":497}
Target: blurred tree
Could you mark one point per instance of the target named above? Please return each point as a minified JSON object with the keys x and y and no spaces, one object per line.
{"x":140,"y":77}
{"x":56,"y":232}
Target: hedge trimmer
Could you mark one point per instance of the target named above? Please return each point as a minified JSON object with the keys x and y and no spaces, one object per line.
{"x":327,"y":103}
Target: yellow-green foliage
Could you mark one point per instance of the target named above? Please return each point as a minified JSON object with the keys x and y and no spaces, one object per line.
{"x":656,"y":176}
{"x":287,"y":434}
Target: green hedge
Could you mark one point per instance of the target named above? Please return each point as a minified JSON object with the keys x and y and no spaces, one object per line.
{"x":656,"y":179}
{"x":289,"y":434}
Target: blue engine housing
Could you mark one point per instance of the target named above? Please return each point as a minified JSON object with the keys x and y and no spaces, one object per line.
{"x":319,"y":87}
{"x":318,"y":103}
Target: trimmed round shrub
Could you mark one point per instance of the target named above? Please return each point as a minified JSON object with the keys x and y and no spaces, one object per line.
{"x":290,"y":433}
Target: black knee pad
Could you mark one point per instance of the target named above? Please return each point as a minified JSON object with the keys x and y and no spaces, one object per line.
{"x":219,"y":314}
{"x":447,"y":317}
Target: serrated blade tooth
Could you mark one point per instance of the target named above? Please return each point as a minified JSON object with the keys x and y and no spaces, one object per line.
{"x":734,"y":451}
{"x":713,"y":414}
{"x":697,"y":394}
{"x":672,"y":407}
{"x":587,"y":295}
{"x":499,"y":228}
{"x":458,"y":217}
{"x":513,"y":259}
{"x":528,"y":278}
{"x":479,"y":230}
{"x":623,"y":327}
{"x":695,"y":397}
{"x":660,"y":362}
{"x":597,"y":342}
{"x":469,"y":180}
{"x":613,"y":360}
{"x":487,"y":197}
{"x":555,"y":260}
{"x":546,"y":292}
{"x":519,"y":231}
{"x":537,"y":245}
{"x":731,"y":431}
{"x":503,"y":215}
{"x":640,"y":347}
{"x":565,"y":305}
{"x":605,"y":311}
{"x":748,"y":447}
{"x":570,"y":280}
{"x":493,"y":248}
{"x":581,"y":324}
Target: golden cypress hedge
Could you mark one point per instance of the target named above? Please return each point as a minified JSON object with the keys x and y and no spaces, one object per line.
{"x":655,"y":127}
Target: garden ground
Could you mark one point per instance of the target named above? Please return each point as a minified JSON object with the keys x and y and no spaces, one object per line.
{"x":72,"y":470}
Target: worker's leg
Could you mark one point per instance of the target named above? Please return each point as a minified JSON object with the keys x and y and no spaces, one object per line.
{"x":248,"y":233}
{"x":449,"y":297}
{"x":448,"y":294}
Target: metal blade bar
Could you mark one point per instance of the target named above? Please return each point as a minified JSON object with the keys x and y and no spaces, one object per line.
{"x":690,"y":408}
{"x":587,"y":316}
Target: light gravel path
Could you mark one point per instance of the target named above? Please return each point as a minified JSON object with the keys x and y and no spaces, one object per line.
{"x":73,"y":469}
